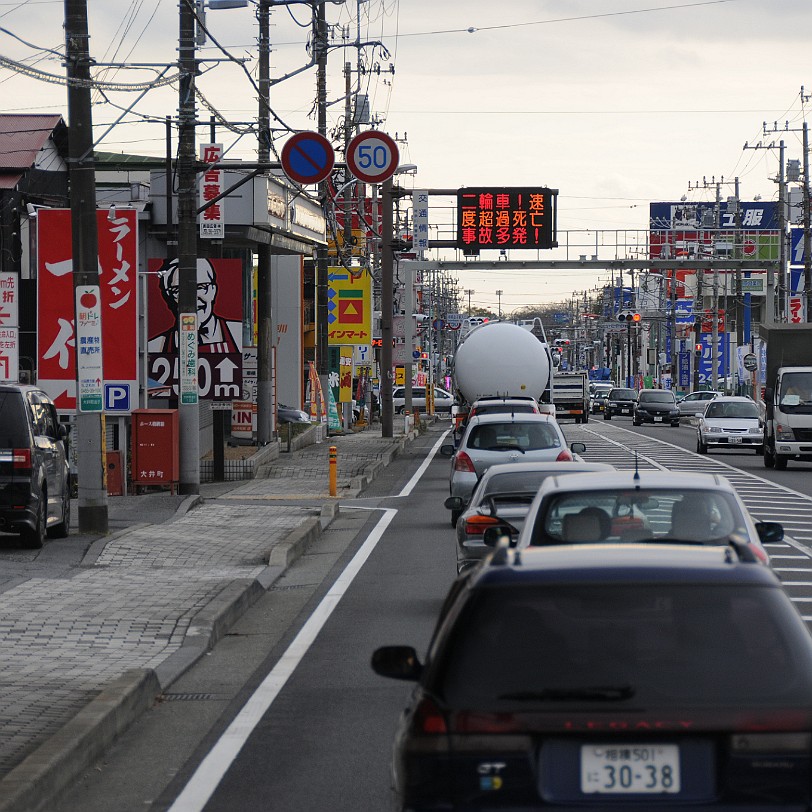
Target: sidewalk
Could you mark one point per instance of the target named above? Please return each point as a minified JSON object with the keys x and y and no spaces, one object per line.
{"x":84,"y":653}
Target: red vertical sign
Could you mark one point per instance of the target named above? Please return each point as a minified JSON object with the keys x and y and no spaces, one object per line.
{"x":118,"y":278}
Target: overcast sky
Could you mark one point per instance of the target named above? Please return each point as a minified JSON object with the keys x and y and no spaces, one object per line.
{"x":615,"y":103}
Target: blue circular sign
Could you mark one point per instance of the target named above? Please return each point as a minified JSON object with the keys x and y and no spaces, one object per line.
{"x":307,"y":157}
{"x":416,"y":354}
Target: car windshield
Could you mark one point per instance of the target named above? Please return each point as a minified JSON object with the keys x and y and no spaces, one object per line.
{"x":663,"y":396}
{"x":733,"y":410}
{"x":527,"y":436}
{"x":638,"y":515}
{"x":796,"y":389}
{"x":622,"y":394}
{"x":631,"y":645}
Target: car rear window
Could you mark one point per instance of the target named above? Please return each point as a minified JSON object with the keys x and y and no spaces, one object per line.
{"x":527,"y":436}
{"x":511,"y":482}
{"x":622,"y":394}
{"x":708,"y":517}
{"x":635,"y":646}
{"x":13,"y":424}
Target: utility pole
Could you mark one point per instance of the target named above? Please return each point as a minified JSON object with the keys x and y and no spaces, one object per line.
{"x":499,"y":299}
{"x":265,"y":336}
{"x":776,"y":287}
{"x":387,"y":283}
{"x":322,"y":259}
{"x":189,"y":410}
{"x":85,"y":244}
{"x":469,"y":293}
{"x":807,"y":230}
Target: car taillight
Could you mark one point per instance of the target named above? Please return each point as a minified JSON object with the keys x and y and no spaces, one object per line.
{"x":428,"y":718}
{"x":477,"y":525}
{"x":21,"y":459}
{"x":462,"y":462}
{"x":564,"y":456}
{"x":477,"y":722}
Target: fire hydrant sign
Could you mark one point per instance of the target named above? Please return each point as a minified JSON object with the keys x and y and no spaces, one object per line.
{"x":188,"y":357}
{"x":89,"y":368}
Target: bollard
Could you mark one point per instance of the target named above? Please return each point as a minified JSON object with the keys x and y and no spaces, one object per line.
{"x":407,"y":421}
{"x":333,"y":472}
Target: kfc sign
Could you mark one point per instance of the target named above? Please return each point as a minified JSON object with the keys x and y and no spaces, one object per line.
{"x":56,"y":333}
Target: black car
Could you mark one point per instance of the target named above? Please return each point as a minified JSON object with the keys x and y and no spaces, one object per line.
{"x":613,"y":677}
{"x":656,"y":406}
{"x":619,"y":401}
{"x":34,"y":473}
{"x":290,"y":414}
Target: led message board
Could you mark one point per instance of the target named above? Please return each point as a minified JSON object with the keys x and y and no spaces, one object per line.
{"x":498,"y":217}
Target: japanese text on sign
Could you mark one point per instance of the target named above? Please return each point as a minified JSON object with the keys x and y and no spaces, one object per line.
{"x":212,"y":220}
{"x":506,"y":218}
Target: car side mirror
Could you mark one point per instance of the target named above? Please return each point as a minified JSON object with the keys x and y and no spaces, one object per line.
{"x":493,"y":535}
{"x":770,"y":532}
{"x":769,"y":395}
{"x":397,"y":662}
{"x":447,"y":450}
{"x":455,"y":503}
{"x":577,"y":448}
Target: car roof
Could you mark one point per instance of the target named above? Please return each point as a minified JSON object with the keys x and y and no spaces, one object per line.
{"x":733,"y":399}
{"x":621,"y":564}
{"x":503,"y":417}
{"x":568,"y":468}
{"x":647,"y":480}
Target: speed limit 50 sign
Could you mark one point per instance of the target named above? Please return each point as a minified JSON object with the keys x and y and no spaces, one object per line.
{"x":372,"y":156}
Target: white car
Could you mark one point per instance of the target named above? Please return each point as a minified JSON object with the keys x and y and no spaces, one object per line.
{"x":641,"y":507}
{"x":730,"y":422}
{"x":443,"y":400}
{"x":695,"y":402}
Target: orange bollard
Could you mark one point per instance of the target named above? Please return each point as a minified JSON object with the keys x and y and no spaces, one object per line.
{"x":333,"y":470}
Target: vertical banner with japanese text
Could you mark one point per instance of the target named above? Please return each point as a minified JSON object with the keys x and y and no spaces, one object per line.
{"x":56,"y":333}
{"x":212,"y":218}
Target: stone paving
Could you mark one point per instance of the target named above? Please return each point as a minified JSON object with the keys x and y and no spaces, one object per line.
{"x":135,"y":595}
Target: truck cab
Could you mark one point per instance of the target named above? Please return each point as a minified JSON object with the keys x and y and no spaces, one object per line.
{"x":788,"y":417}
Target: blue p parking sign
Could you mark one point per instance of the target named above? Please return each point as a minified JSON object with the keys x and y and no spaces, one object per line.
{"x":116,"y":397}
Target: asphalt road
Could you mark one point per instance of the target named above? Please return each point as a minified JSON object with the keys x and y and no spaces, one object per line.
{"x":314,"y":725}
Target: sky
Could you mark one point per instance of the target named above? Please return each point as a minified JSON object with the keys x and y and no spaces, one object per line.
{"x":615,"y":103}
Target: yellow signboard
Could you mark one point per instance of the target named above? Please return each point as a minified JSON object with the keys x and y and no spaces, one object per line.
{"x":349,"y":306}
{"x":345,"y":376}
{"x":400,"y":376}
{"x":357,"y":246}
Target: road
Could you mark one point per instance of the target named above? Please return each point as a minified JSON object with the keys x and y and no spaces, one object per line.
{"x":286,"y":714}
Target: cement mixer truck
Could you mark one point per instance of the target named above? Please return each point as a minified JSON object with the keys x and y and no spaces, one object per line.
{"x":500,"y":359}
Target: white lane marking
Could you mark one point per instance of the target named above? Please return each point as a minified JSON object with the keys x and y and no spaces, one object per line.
{"x":409,"y":486}
{"x":210,"y":772}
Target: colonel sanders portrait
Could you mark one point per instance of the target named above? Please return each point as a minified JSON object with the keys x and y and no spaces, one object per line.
{"x":215,"y":334}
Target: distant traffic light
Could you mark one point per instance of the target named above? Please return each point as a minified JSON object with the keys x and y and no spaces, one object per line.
{"x":698,"y":350}
{"x":629,"y":316}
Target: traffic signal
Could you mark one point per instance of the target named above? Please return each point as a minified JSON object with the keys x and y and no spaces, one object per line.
{"x":698,"y":350}
{"x":629,"y":316}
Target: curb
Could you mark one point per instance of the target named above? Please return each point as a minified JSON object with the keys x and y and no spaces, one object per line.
{"x":51,"y":767}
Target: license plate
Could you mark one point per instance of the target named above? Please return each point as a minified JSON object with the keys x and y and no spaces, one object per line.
{"x":630,"y":768}
{"x":735,"y":440}
{"x":658,"y":420}
{"x":626,"y":411}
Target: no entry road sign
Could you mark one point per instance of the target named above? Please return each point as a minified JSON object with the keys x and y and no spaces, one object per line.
{"x":307,"y":157}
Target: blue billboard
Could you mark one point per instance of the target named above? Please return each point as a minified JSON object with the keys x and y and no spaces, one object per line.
{"x":680,"y":216}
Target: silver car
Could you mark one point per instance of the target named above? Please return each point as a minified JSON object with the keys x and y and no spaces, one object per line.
{"x":695,"y":402}
{"x":495,"y":439}
{"x":443,"y":400}
{"x":643,"y":507}
{"x":504,"y":494}
{"x":730,"y":422}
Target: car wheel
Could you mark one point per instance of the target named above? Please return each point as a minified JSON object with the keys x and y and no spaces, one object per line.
{"x":701,"y":448}
{"x":636,"y":422}
{"x":34,"y":538}
{"x":769,"y":458}
{"x":455,"y":515}
{"x":675,"y":425}
{"x":780,"y":462}
{"x":401,"y":410}
{"x":61,"y":530}
{"x":759,"y":450}
{"x":607,"y":416}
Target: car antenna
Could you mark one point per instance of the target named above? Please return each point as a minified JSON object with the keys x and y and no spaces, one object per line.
{"x":636,"y":476}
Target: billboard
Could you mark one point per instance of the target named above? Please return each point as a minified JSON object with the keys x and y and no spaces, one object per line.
{"x":219,"y":328}
{"x":56,"y":336}
{"x":506,"y":217}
